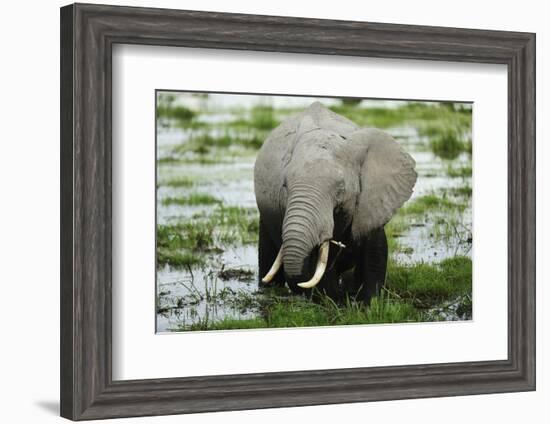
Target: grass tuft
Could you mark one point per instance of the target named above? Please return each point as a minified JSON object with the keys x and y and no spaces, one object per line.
{"x":185,"y":182}
{"x":193,"y":199}
{"x":430,"y":202}
{"x":178,"y":259}
{"x":207,"y":233}
{"x":460,"y":171}
{"x":203,"y":143}
{"x":447,"y":145}
{"x":428,"y":284}
{"x":298,"y":311}
{"x":461,"y":191}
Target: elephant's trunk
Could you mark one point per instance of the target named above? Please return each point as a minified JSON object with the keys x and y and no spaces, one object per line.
{"x":308,"y":222}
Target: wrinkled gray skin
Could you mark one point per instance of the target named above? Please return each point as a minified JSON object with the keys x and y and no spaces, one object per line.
{"x":319,"y":177}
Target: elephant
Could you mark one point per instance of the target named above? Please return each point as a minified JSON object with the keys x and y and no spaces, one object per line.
{"x":325,"y":188}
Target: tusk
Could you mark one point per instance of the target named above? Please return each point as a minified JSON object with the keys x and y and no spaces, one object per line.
{"x":274,"y":268}
{"x":321,"y":267}
{"x":339,"y":244}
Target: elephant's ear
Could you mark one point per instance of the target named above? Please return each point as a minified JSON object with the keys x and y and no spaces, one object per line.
{"x":387,"y":178}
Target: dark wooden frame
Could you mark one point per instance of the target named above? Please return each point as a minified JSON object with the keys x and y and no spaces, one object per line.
{"x":88,"y":33}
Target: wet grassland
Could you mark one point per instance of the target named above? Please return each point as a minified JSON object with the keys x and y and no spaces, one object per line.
{"x":207,"y":220}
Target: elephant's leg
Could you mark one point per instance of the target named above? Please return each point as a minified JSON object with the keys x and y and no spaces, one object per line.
{"x":371,"y":265}
{"x":267,"y":252}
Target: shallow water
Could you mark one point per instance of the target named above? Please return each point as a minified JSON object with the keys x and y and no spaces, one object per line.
{"x":185,"y":296}
{"x":425,"y":246}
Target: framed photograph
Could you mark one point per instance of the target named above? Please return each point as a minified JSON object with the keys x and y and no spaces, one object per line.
{"x":257,"y":194}
{"x":262,"y":212}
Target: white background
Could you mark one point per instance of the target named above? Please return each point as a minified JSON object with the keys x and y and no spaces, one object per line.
{"x":29,"y":168}
{"x":138,"y":70}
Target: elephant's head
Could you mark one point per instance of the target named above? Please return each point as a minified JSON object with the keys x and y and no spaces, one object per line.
{"x":337,"y":180}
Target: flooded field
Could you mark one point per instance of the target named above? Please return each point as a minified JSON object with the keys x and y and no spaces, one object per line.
{"x":207,"y":220}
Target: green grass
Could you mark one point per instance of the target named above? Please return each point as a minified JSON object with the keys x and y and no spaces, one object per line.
{"x":430,"y":202}
{"x":383,"y":310}
{"x":262,"y":117}
{"x":179,"y":113}
{"x":240,"y":224}
{"x":259,"y":118}
{"x":411,"y":294}
{"x":371,"y":117}
{"x":203,"y":142}
{"x":178,"y":259}
{"x":186,"y":243}
{"x":350,"y":101}
{"x":440,"y":214}
{"x":428,"y":284}
{"x":447,"y":126}
{"x":452,"y":230}
{"x":461,"y":191}
{"x":226,"y":324}
{"x":168,"y":110}
{"x":297,"y":311}
{"x":198,"y":160}
{"x":206,"y":232}
{"x":178,"y":182}
{"x":448,"y":145}
{"x":464,"y":171}
{"x":193,"y":199}
{"x":185,"y":236}
{"x":167,"y":160}
{"x":426,"y":117}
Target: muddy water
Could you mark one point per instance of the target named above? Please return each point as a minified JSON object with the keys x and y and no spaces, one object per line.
{"x":185,"y":296}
